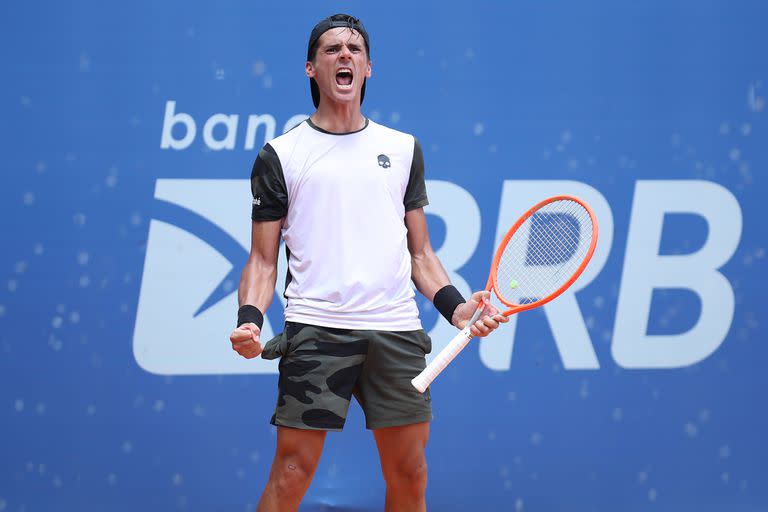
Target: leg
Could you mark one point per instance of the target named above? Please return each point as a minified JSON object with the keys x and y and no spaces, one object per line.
{"x":404,"y":464}
{"x":298,"y":452}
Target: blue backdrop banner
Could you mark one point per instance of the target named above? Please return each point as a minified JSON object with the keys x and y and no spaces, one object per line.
{"x":129,"y":133}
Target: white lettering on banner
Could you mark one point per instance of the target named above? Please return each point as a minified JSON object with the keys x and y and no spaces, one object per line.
{"x":229,"y":121}
{"x":254,"y":122}
{"x":646,"y":270}
{"x":565,"y":318}
{"x":181,"y":271}
{"x":228,"y":142}
{"x":459,"y":211}
{"x":172,"y":118}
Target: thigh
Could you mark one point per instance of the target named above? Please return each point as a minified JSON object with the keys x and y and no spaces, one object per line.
{"x":384,"y":390}
{"x":402,"y":446}
{"x":318,"y":369}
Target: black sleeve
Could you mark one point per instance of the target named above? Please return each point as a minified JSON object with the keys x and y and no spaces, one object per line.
{"x":270,"y":195}
{"x":416,"y":191}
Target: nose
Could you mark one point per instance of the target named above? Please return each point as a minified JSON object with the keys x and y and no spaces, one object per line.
{"x":345,"y":53}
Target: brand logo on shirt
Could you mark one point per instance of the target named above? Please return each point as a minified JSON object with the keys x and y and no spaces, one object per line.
{"x":384,"y":161}
{"x":257,"y":201}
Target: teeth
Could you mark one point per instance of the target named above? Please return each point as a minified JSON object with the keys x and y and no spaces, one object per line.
{"x":339,"y":71}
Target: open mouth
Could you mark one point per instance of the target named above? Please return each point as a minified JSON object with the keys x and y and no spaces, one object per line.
{"x":344,"y":78}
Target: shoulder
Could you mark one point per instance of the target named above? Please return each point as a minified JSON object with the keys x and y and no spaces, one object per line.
{"x":402,"y":143}
{"x":285,"y":142}
{"x":387,"y":132}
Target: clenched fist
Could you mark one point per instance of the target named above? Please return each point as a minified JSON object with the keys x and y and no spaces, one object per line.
{"x":246,"y":342}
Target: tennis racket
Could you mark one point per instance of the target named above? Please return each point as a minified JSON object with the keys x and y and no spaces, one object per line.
{"x":541,"y":255}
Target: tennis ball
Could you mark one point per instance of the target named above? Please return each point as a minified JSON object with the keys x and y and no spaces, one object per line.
{"x":513,"y":284}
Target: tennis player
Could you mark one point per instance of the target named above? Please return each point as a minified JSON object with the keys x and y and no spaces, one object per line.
{"x":347,"y":196}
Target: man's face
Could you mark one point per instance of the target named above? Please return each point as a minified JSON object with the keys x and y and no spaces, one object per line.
{"x":341,"y":65}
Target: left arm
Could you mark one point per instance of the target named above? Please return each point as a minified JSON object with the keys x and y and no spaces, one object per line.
{"x":427,"y":272}
{"x":429,"y":276}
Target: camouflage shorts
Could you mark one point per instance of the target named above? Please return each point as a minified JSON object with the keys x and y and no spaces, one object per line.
{"x":321,"y":368}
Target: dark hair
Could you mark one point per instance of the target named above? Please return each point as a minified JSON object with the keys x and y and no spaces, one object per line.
{"x":351,"y":22}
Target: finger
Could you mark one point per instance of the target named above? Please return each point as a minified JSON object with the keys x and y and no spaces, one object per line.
{"x":248,"y":349}
{"x":481,"y":328}
{"x":241,"y":333}
{"x":249,"y":344}
{"x":253,"y":352}
{"x":501,"y":319}
{"x":490,"y":322}
{"x":243,"y":345}
{"x":481,"y":297}
{"x":492,"y":310}
{"x":239,"y":338}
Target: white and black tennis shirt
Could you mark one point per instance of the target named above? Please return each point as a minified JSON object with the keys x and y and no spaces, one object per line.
{"x":344,"y":198}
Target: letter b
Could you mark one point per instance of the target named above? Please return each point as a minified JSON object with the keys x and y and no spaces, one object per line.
{"x":170,"y":119}
{"x":645,"y":269}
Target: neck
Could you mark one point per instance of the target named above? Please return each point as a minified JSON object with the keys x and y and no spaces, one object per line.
{"x":339,"y":117}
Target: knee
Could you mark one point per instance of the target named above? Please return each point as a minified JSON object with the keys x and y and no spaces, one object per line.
{"x":292,"y":476}
{"x":408,"y":477}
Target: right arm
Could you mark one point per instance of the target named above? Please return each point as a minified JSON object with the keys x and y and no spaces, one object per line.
{"x":257,"y":284}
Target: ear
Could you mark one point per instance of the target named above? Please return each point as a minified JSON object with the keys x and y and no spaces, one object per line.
{"x":309,"y":68}
{"x":368,"y":69}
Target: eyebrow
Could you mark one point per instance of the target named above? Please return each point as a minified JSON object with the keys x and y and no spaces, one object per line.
{"x":337,"y":45}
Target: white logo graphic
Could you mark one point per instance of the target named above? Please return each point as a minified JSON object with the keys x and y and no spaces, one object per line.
{"x":257,"y":201}
{"x":181,"y":330}
{"x":180,"y":271}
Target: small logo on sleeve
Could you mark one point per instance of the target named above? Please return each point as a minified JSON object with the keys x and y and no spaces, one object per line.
{"x":384,"y":161}
{"x":257,"y":201}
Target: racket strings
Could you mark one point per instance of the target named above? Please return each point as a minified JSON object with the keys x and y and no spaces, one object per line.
{"x":544,"y":252}
{"x":563,"y":235}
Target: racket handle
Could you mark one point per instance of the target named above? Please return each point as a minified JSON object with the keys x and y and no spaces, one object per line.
{"x":444,"y":358}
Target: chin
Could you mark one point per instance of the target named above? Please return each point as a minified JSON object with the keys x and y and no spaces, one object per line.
{"x":345,"y":97}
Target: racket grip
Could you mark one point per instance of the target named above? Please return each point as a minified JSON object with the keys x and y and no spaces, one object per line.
{"x":422,"y":381}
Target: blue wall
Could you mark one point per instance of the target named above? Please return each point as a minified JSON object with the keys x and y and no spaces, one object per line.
{"x":124,"y":242}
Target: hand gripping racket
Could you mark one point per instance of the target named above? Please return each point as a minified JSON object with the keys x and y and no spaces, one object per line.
{"x":541,"y":255}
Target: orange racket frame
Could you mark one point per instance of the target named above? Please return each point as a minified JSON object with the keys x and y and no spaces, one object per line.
{"x":457,"y":344}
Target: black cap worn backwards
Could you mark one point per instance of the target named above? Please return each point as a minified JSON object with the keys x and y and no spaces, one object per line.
{"x":335,"y":21}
